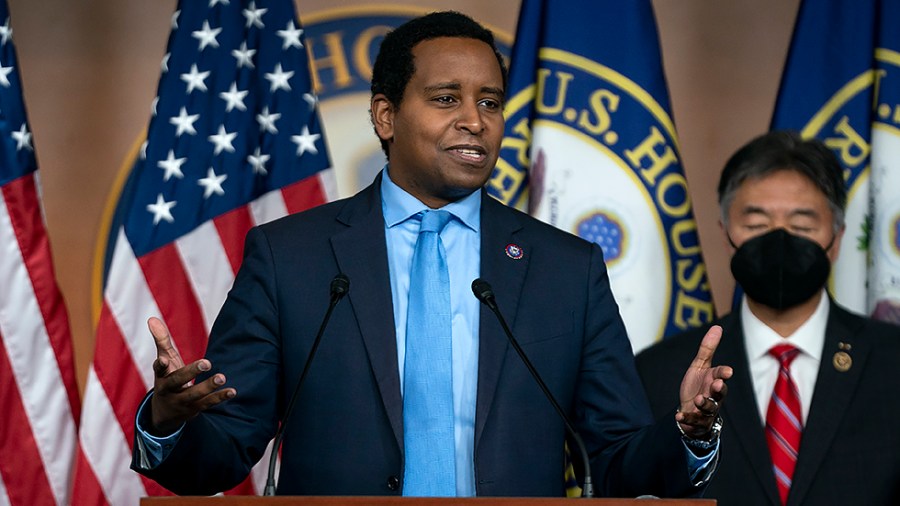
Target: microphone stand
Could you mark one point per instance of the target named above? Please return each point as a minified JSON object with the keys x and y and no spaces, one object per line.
{"x":340,"y":285}
{"x":483,"y":291}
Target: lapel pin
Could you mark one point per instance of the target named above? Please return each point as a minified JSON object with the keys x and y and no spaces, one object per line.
{"x":514,"y":251}
{"x":842,"y":360}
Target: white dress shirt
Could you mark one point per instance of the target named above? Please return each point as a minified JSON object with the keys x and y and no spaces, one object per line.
{"x":809,"y":338}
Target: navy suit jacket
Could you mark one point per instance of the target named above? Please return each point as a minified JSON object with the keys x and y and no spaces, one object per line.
{"x":850,"y":448}
{"x":345,"y":436}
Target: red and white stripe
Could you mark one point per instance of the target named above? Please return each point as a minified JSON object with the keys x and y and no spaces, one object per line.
{"x":783,"y":426}
{"x":38,"y":394}
{"x":185,"y":283}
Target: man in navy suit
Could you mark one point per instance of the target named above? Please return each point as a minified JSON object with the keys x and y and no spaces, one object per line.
{"x":437,"y":98}
{"x":782,"y":200}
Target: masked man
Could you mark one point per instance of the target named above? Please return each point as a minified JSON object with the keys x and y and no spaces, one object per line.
{"x":813,"y":403}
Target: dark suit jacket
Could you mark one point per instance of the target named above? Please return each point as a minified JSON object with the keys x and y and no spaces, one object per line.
{"x":850,"y":448}
{"x":346,"y":434}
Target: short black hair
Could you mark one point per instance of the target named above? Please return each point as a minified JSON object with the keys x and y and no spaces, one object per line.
{"x":785,"y":150}
{"x":395,"y":65}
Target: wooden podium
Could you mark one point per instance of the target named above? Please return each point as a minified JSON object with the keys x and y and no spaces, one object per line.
{"x":410,"y":501}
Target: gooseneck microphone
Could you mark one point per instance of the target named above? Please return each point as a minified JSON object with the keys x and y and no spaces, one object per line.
{"x":483,"y":291}
{"x":340,"y":285}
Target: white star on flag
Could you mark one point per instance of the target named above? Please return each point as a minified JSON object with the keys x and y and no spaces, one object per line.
{"x":22,"y":138}
{"x":279,"y":79}
{"x":267,"y":120}
{"x":254,"y":15}
{"x":258,"y":160}
{"x":234,"y":98}
{"x":222,"y":140}
{"x":5,"y":32}
{"x":207,"y":36}
{"x":291,"y":36}
{"x":172,"y":166}
{"x":194,"y":79}
{"x":184,"y":122}
{"x":306,"y":141}
{"x":4,"y":75}
{"x":212,"y":183}
{"x":161,"y":210}
{"x":244,"y":56}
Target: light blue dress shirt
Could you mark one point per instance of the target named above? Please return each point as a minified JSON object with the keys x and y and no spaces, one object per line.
{"x":462,"y":242}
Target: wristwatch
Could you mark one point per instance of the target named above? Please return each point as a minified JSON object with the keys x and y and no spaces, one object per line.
{"x":714,"y":432}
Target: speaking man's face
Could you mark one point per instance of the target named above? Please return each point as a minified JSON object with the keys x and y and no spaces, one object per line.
{"x":445,"y":136}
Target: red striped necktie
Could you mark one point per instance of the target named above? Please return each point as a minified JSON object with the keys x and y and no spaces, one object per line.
{"x":783,"y":425}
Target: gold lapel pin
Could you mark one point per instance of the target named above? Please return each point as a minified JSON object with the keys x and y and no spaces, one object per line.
{"x":842,"y":360}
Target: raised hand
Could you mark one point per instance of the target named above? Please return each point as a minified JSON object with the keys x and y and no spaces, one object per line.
{"x":703,"y":388}
{"x":176,"y":398}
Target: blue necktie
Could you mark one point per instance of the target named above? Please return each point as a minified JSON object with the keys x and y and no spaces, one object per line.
{"x":430,"y":468}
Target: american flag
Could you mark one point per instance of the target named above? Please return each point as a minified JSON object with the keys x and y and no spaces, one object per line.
{"x":38,"y":395}
{"x":234,"y":140}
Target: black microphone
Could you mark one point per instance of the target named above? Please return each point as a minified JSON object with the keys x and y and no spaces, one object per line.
{"x":340,"y":285}
{"x":483,"y":291}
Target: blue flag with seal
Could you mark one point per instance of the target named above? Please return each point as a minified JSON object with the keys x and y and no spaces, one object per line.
{"x":590,"y":147}
{"x":841,"y":84}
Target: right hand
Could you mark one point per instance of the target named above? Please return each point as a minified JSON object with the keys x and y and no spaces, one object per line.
{"x":176,"y":398}
{"x":703,"y":388}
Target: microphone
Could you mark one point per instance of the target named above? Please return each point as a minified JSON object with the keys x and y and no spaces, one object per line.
{"x":340,"y":285}
{"x":483,"y":291}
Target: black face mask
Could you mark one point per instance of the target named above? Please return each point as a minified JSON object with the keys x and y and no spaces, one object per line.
{"x":779,"y":269}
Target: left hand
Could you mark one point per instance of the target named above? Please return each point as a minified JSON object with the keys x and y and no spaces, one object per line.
{"x":703,"y":388}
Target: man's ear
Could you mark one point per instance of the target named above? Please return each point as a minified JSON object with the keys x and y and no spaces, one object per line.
{"x":382,"y":116}
{"x":725,"y":240}
{"x":835,"y":250}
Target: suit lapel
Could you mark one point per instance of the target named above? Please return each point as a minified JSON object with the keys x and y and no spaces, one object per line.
{"x":499,"y":227}
{"x":833,"y":394}
{"x":740,"y":412}
{"x":361,"y":253}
